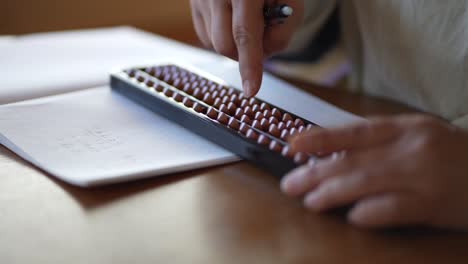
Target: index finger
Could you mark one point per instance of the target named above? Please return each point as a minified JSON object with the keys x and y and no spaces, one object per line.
{"x":359,"y":135}
{"x":247,"y":30}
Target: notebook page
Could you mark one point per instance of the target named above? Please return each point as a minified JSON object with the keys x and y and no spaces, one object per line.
{"x":97,"y":137}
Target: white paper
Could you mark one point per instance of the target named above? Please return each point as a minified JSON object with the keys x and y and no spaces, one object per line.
{"x":45,"y":64}
{"x":97,"y":137}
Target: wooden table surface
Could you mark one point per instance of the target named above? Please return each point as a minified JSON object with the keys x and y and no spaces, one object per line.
{"x":227,"y":214}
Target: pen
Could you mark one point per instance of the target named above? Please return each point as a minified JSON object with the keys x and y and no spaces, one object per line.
{"x":277,"y":12}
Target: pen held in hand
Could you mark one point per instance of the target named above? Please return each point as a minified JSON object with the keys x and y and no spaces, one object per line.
{"x":277,"y":12}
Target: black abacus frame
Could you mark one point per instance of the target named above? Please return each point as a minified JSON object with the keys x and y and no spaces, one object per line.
{"x":220,"y":134}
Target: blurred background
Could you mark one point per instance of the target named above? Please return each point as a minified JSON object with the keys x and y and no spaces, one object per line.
{"x":168,"y":18}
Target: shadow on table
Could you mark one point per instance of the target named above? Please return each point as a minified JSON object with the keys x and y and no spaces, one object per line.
{"x":95,"y":197}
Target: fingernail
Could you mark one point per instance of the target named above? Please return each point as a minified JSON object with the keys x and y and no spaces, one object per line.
{"x":312,"y":201}
{"x":354,"y":216}
{"x":312,"y":161}
{"x":248,"y":88}
{"x":292,"y":182}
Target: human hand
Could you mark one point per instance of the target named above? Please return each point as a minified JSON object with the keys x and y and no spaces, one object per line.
{"x":236,"y":29}
{"x":406,"y":170}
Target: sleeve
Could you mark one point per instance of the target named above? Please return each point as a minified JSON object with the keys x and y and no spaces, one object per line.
{"x":316,"y":13}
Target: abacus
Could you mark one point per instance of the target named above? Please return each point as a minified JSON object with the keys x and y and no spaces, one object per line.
{"x":249,"y":127}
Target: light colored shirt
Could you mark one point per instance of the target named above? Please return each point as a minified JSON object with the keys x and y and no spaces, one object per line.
{"x":411,"y":51}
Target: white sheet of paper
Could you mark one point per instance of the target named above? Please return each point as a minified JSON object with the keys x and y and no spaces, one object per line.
{"x":43,"y":64}
{"x":97,"y":137}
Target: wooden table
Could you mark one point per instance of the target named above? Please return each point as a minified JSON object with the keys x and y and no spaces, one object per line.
{"x":227,"y":214}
